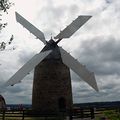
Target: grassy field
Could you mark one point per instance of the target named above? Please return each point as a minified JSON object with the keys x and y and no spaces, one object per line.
{"x":109,"y":115}
{"x":112,"y":114}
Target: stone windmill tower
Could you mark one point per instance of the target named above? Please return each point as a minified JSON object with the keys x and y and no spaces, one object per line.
{"x":52,"y":83}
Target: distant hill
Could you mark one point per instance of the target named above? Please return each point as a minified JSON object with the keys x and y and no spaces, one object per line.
{"x":115,"y":104}
{"x":17,"y":106}
{"x":99,"y":104}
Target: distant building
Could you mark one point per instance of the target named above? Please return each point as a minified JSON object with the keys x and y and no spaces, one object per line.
{"x":2,"y":103}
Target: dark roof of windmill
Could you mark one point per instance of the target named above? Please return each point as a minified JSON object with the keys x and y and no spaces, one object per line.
{"x":2,"y":100}
{"x":51,"y":45}
{"x":1,"y":97}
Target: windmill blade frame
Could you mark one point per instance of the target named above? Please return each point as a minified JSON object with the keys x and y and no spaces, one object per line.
{"x":52,"y":71}
{"x":73,"y":27}
{"x":79,"y":69}
{"x":39,"y":34}
{"x":25,"y":69}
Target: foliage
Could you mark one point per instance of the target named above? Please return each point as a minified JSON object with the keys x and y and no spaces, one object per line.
{"x":112,"y":114}
{"x":3,"y":44}
{"x":4,"y":6}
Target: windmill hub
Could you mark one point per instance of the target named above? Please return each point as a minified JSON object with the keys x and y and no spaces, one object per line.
{"x":52,"y":43}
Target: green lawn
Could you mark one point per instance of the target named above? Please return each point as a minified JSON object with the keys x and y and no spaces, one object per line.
{"x":112,"y":114}
{"x":109,"y":115}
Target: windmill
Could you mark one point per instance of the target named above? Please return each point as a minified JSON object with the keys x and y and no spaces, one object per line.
{"x":52,"y":83}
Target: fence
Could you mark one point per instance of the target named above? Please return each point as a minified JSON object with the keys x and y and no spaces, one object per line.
{"x":76,"y":113}
{"x":24,"y":114}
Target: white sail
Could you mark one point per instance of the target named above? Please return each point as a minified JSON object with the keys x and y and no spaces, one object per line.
{"x":79,"y":69}
{"x":23,"y":71}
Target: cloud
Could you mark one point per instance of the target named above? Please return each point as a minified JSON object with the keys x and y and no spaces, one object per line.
{"x":101,"y":55}
{"x":95,"y":45}
{"x":109,"y":90}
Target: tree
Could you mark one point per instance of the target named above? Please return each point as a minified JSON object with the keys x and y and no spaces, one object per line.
{"x":4,"y":6}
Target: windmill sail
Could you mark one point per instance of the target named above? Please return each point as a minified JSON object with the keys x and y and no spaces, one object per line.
{"x":73,"y":27}
{"x":79,"y":69}
{"x":55,"y":66}
{"x":21,"y":73}
{"x":30,"y":27}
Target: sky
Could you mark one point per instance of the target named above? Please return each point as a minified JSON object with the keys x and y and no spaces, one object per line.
{"x":95,"y":44}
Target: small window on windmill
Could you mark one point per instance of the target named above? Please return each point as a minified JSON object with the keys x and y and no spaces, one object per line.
{"x":2,"y":103}
{"x":62,"y":104}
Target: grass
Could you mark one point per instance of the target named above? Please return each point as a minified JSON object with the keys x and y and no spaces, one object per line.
{"x":109,"y":115}
{"x":112,"y":114}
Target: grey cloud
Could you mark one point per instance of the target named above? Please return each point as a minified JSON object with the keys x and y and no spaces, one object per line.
{"x":73,"y":9}
{"x":109,"y":1}
{"x":16,"y":89}
{"x":25,"y":55}
{"x":82,"y":96}
{"x":51,"y":16}
{"x":20,"y":93}
{"x":17,"y":98}
{"x":101,"y":55}
{"x":108,"y":91}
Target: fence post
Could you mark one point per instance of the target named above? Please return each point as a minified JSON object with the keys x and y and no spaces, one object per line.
{"x":92,"y":113}
{"x":70,"y":115}
{"x":3,"y":117}
{"x":23,"y":115}
{"x":82,"y":113}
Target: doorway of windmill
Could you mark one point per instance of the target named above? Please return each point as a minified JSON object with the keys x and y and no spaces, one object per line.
{"x":62,"y":104}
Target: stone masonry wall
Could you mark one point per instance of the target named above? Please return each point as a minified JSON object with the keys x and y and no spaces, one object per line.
{"x":51,"y":82}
